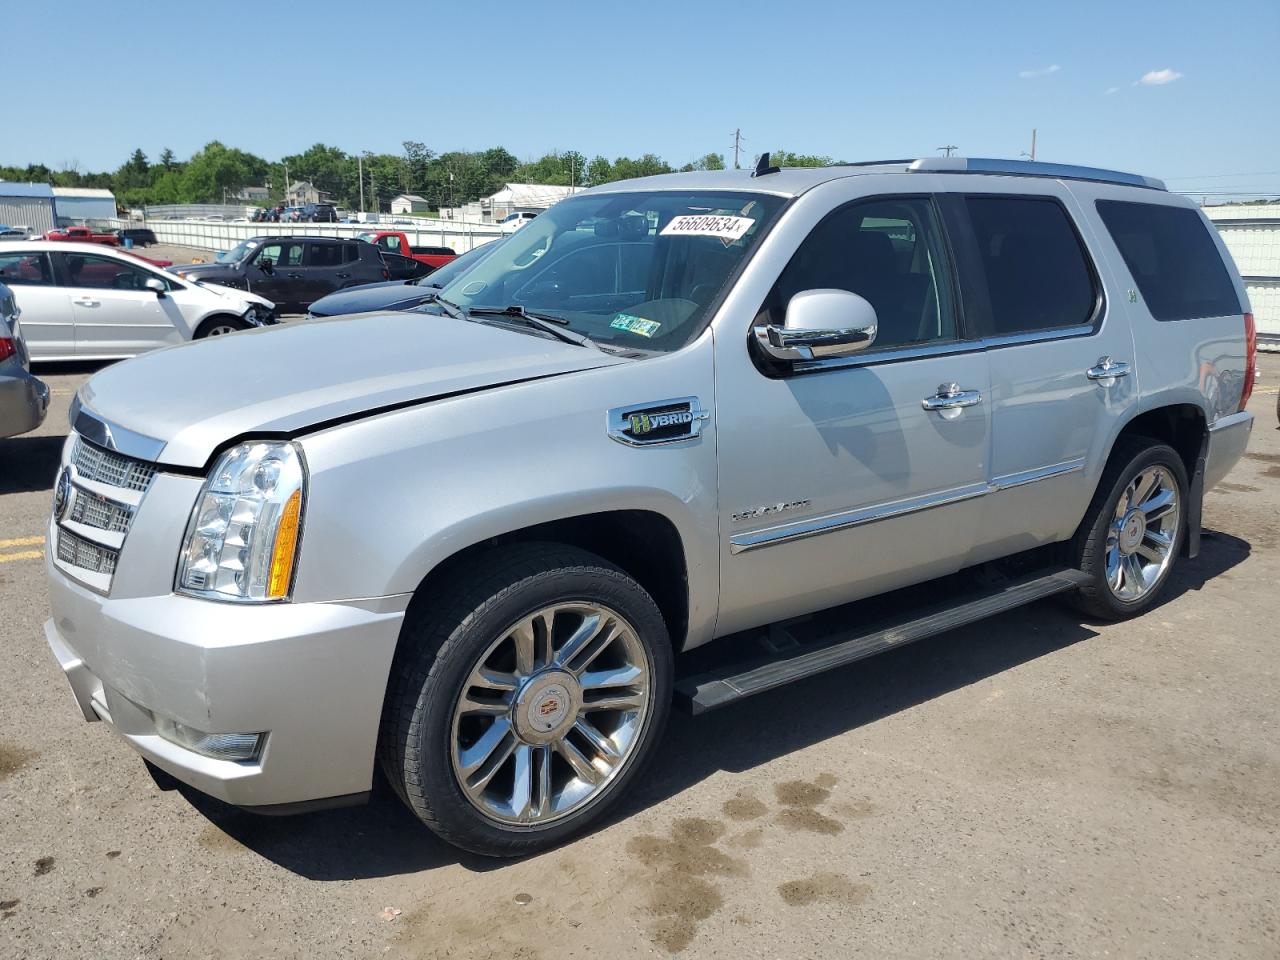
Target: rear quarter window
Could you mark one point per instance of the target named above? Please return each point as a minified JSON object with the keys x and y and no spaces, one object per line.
{"x":1172,"y":258}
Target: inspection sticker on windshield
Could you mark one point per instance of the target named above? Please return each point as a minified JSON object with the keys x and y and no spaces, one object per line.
{"x":726,"y":228}
{"x":637,"y":325}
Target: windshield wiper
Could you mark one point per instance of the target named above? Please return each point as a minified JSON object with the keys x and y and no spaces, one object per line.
{"x":451,"y":308}
{"x":546,"y":322}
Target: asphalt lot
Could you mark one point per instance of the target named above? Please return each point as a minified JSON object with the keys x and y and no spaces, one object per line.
{"x":1035,"y":785}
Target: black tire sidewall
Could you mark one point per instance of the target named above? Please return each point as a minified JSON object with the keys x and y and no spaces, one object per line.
{"x":1093,"y":560}
{"x":202,"y":332}
{"x":453,"y":815}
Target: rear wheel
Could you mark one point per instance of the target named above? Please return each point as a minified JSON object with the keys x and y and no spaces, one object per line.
{"x":220,"y":327}
{"x":1130,"y":538}
{"x":519,"y":712}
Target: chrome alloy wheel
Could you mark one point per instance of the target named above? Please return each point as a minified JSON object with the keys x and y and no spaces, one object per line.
{"x":1143,"y":533}
{"x":550,"y":714}
{"x":221,"y":330}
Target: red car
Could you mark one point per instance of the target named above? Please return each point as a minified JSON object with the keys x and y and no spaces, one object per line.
{"x":83,"y":235}
{"x":392,"y":241}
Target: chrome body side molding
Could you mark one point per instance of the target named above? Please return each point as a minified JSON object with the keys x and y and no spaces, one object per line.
{"x":816,"y":526}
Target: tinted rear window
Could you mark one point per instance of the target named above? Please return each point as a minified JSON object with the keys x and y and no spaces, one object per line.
{"x":1173,"y":259}
{"x":325,"y":255}
{"x":1037,"y":276}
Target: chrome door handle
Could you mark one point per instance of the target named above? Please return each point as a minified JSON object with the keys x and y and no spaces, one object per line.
{"x":1108,"y":369}
{"x":951,"y":397}
{"x":85,"y":302}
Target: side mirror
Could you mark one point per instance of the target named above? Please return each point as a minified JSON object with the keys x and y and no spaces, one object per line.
{"x":266,"y":264}
{"x":820,"y":324}
{"x":155,"y":285}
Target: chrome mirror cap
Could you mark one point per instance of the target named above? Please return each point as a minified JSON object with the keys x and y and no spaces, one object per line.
{"x":820,"y":324}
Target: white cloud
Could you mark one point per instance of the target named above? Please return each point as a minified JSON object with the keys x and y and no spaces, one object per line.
{"x":1041,"y":72}
{"x":1111,"y":90}
{"x":1157,"y":78}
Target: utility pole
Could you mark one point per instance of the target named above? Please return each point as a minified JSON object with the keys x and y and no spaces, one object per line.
{"x":737,"y":147}
{"x":949,"y":149}
{"x":286,"y":183}
{"x":1033,"y":143}
{"x":360,"y":178}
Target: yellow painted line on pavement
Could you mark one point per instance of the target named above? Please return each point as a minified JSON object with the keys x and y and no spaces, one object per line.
{"x":21,"y":542}
{"x":21,"y":555}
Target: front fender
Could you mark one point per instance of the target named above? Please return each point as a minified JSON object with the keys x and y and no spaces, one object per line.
{"x":393,"y":496}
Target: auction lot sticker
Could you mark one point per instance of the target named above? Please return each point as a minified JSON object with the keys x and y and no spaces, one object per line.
{"x":700,"y":225}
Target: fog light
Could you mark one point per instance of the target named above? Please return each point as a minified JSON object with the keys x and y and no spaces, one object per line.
{"x":220,"y":746}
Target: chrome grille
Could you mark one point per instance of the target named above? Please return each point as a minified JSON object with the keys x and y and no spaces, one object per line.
{"x":94,"y":463}
{"x":94,"y":509}
{"x":101,"y":513}
{"x":85,"y":554}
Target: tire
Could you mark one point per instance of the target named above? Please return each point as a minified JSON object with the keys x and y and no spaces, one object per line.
{"x":1108,"y":532}
{"x":434,"y":748}
{"x":219,"y":326}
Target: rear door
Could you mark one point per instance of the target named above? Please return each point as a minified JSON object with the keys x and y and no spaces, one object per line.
{"x":115,"y":314}
{"x":48,"y":324}
{"x":1061,"y":355}
{"x":322,"y":268}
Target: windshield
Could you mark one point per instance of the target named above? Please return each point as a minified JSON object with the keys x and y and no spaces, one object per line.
{"x":442,"y":276}
{"x":238,"y":252}
{"x":636,"y":270}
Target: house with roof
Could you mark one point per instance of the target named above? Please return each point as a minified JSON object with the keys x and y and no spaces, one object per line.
{"x":409,"y":203}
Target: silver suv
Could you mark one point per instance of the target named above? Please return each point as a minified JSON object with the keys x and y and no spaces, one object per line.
{"x":470,"y":545}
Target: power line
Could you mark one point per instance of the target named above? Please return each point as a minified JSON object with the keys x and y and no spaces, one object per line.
{"x":949,"y":149}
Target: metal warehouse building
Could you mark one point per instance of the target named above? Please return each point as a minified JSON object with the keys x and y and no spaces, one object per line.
{"x":27,"y":205}
{"x":84,"y":203}
{"x":1251,"y":232}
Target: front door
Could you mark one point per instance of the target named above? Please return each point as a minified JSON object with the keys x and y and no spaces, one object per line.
{"x":275,"y":272}
{"x":836,"y":482}
{"x":48,"y":324}
{"x":115,"y":314}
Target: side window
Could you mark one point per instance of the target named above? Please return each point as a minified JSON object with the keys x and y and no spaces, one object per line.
{"x":891,"y":253}
{"x":350,"y":253}
{"x":291,"y":256}
{"x":390,"y":243}
{"x":103,"y":273}
{"x":268,"y":251}
{"x":1033,"y":263}
{"x":325,"y":255}
{"x":1173,"y":259}
{"x":25,"y":269}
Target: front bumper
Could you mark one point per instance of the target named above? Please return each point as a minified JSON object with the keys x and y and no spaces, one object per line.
{"x":24,"y":402}
{"x":1228,"y":437}
{"x":310,"y":675}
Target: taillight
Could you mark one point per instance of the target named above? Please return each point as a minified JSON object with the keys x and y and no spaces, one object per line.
{"x":7,"y":348}
{"x":1250,"y":359}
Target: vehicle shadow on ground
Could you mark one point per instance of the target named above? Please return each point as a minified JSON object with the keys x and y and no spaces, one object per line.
{"x":384,"y":839}
{"x":29,"y":463}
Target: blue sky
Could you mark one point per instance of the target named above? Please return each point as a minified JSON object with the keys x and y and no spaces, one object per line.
{"x":847,"y":79}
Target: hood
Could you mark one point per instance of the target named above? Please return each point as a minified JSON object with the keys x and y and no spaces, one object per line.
{"x":189,"y":399}
{"x":241,"y":297}
{"x":370,"y":296}
{"x":199,"y":271}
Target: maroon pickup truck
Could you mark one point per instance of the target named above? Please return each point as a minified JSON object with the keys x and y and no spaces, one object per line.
{"x":83,"y":235}
{"x":392,"y":241}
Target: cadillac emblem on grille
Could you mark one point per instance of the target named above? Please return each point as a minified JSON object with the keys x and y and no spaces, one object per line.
{"x":62,"y":495}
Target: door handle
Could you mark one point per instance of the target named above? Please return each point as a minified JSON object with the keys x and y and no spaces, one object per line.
{"x":951,"y":397}
{"x":295,"y":276}
{"x":344,"y":276}
{"x":1108,"y":371}
{"x":86,"y":302}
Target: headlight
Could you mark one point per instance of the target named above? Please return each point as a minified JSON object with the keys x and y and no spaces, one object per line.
{"x":242,"y":538}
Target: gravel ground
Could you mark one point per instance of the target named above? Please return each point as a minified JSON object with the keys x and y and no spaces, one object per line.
{"x":1035,"y":785}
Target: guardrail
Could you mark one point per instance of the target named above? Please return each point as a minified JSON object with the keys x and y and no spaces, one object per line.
{"x":220,"y":235}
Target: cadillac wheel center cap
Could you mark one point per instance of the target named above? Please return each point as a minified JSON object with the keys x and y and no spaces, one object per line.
{"x":546,"y":706}
{"x":549,"y":709}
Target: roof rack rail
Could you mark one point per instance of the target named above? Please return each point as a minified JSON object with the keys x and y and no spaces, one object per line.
{"x":1032,"y":168}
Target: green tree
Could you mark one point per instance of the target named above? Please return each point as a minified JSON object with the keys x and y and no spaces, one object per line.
{"x":785,"y":158}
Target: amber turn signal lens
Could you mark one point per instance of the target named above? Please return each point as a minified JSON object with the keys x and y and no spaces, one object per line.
{"x":286,"y":544}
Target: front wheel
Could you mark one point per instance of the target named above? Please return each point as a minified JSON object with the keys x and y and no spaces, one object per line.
{"x":1130,"y":537}
{"x":520,"y":709}
{"x":220,"y":327}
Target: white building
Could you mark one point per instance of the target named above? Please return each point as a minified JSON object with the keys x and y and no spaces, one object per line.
{"x":1251,"y":232}
{"x":408,"y":203}
{"x":74,"y":204}
{"x":28,"y":205}
{"x":522,"y":198}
